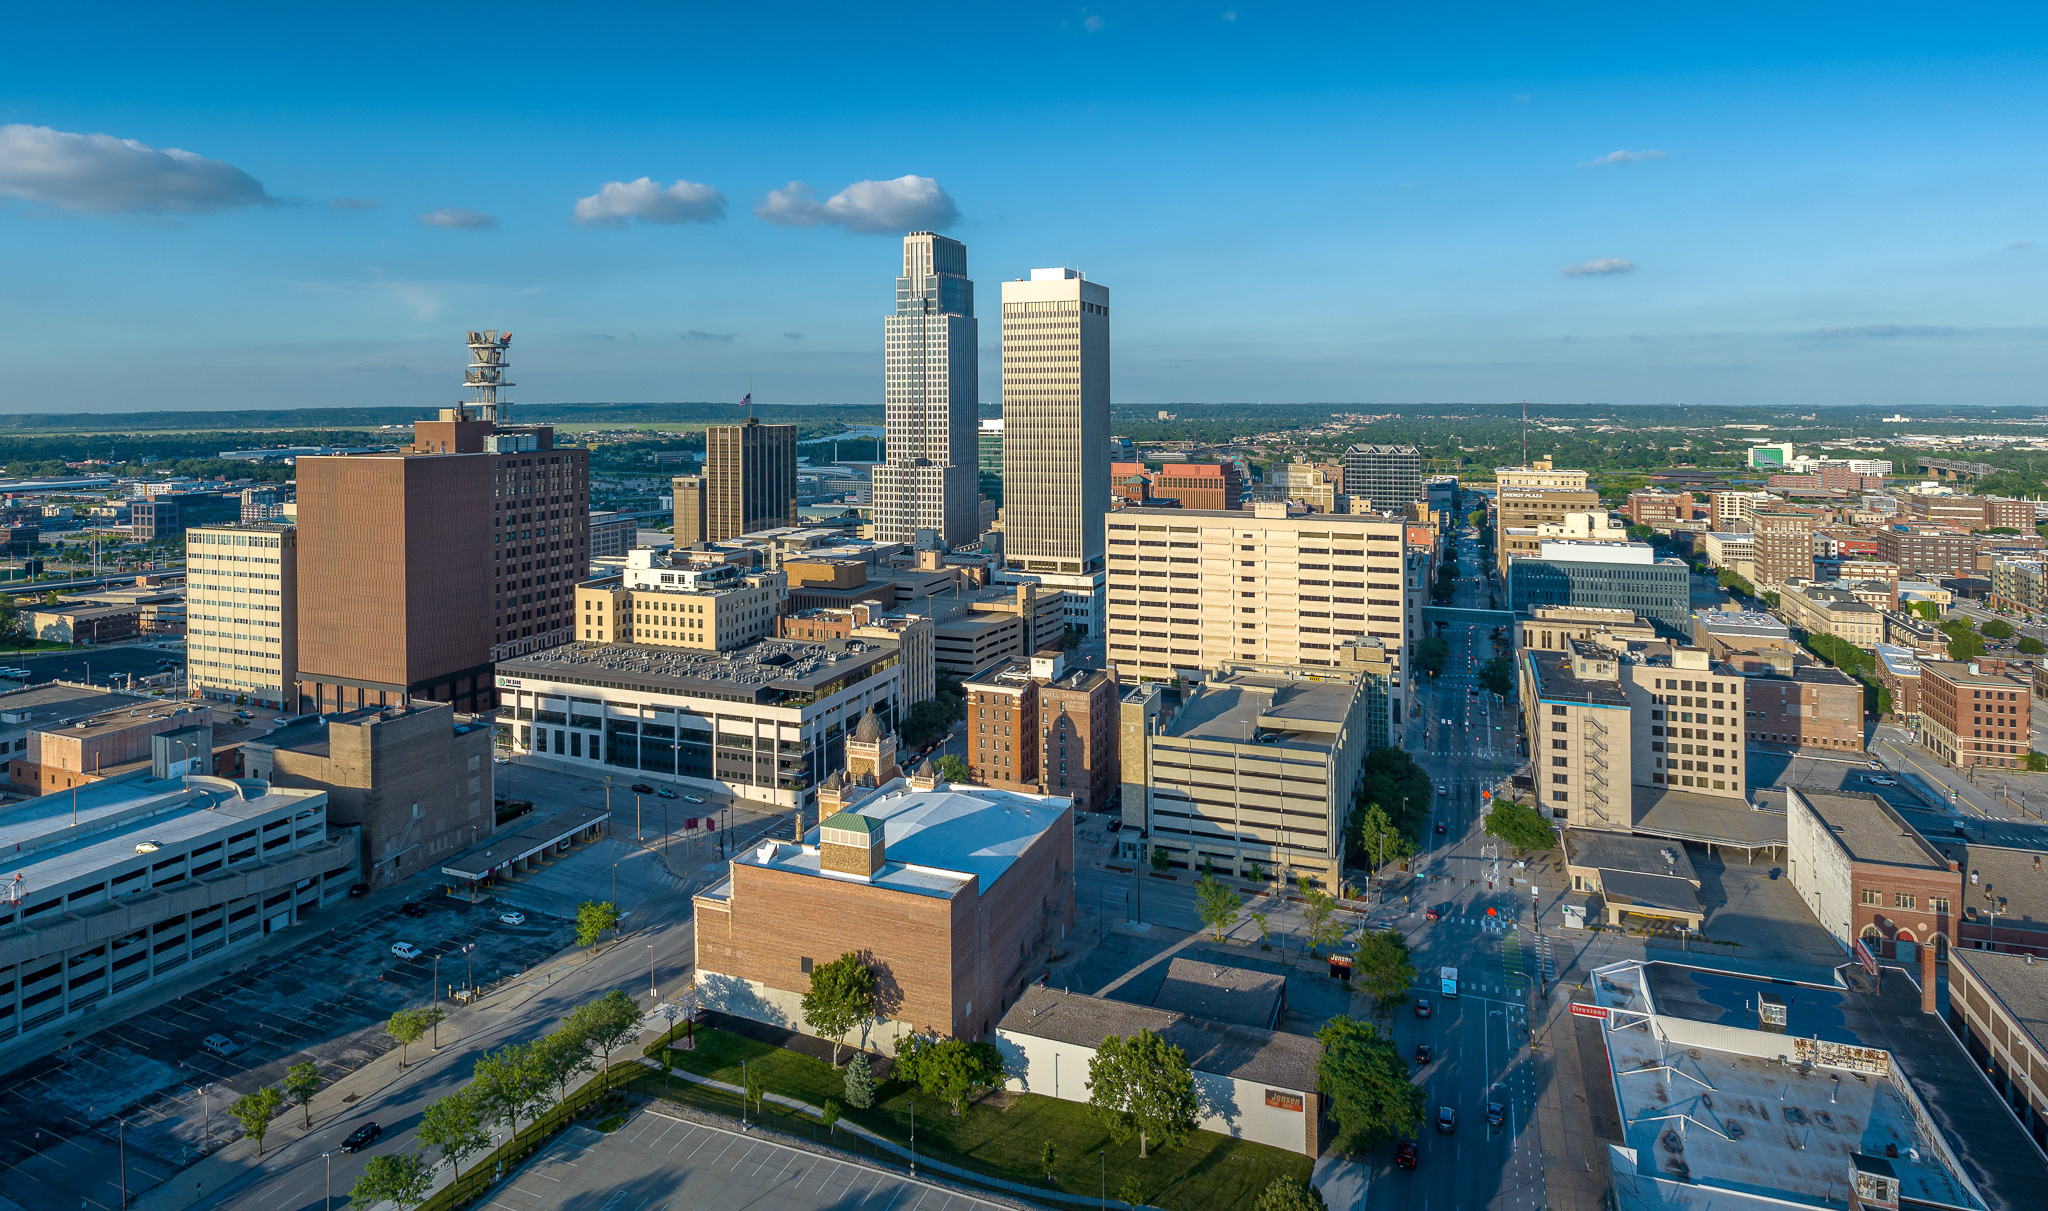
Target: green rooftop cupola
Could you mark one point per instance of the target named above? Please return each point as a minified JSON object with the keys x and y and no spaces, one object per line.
{"x":851,"y":844}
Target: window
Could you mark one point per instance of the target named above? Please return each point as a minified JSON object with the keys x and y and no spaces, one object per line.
{"x":1902,"y":900}
{"x":1872,"y":897}
{"x":1937,"y":904}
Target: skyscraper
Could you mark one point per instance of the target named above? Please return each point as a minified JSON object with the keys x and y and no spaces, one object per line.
{"x":991,"y":435}
{"x":929,"y":479}
{"x":1056,"y":436}
{"x":749,"y":479}
{"x":1388,"y":476}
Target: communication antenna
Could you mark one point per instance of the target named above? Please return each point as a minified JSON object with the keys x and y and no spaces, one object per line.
{"x":487,"y":366}
{"x":1525,"y":433}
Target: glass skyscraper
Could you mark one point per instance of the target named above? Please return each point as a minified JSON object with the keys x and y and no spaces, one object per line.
{"x":930,"y":478}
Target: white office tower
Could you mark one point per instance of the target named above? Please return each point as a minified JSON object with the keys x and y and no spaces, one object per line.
{"x":930,"y":478}
{"x":1056,"y":437}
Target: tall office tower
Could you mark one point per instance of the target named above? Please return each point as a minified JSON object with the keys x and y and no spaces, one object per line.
{"x":1056,"y":437}
{"x":929,"y":479}
{"x":689,"y":498}
{"x":1388,"y":476}
{"x":992,"y":460}
{"x":749,"y":478}
{"x":241,"y":613}
{"x":1784,"y":543}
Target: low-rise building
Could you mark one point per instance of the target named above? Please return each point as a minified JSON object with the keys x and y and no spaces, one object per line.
{"x":1734,"y":550}
{"x":1819,"y":610}
{"x":1034,"y":726}
{"x":1975,"y":713}
{"x":1552,"y":628}
{"x":1914,"y":633}
{"x":1650,"y":507}
{"x":914,"y":634}
{"x":1998,"y":1007}
{"x":714,"y":607}
{"x":1922,"y":550}
{"x":1866,"y":875}
{"x":112,"y":743}
{"x":1809,"y":705}
{"x":1726,"y":633}
{"x":1898,"y":670}
{"x":84,"y":622}
{"x":2004,"y":905}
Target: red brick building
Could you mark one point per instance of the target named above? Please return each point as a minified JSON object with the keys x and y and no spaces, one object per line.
{"x":1653,"y":508}
{"x":1927,"y":551}
{"x":1815,"y":707}
{"x":1866,"y":875}
{"x":1975,"y":714}
{"x":1032,"y":726}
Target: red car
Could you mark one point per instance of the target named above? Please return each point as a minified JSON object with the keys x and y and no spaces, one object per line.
{"x":1406,"y":1155}
{"x":1429,"y":915}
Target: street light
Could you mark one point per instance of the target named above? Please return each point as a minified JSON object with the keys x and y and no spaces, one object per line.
{"x":329,"y":1158}
{"x":652,"y":995}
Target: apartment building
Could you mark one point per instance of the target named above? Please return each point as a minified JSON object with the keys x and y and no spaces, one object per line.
{"x":1923,"y":551}
{"x":1250,"y":772}
{"x":1822,"y":610}
{"x":2020,"y":584}
{"x":1650,"y":507}
{"x":1975,"y":714}
{"x":1969,"y":512}
{"x":1036,"y":727}
{"x":1783,"y":544}
{"x":714,"y":607}
{"x":1191,"y":590}
{"x":242,"y":613}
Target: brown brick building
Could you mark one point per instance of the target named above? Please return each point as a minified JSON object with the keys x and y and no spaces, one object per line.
{"x":1783,"y":543}
{"x":1865,"y":874}
{"x":1200,"y":485}
{"x":1923,"y":551}
{"x":1815,"y":707}
{"x":955,"y":895}
{"x":1653,"y":508}
{"x":1975,"y":714}
{"x":86,"y":750}
{"x":1032,"y":726}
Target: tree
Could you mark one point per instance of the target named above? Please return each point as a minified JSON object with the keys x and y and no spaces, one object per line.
{"x":1525,"y":828}
{"x":1383,"y":967}
{"x":1376,"y":838}
{"x":560,"y":1058}
{"x":1159,"y":859}
{"x":2037,"y":761}
{"x":302,"y":1081}
{"x":842,"y":997}
{"x":1319,"y":916}
{"x":754,"y":1091}
{"x":408,"y":1026}
{"x":828,"y":1114}
{"x":1477,"y":518}
{"x":1732,"y":581}
{"x":953,"y":769}
{"x":1142,"y":1083}
{"x":1132,"y":1192}
{"x":1952,"y":627}
{"x":1289,"y":1194}
{"x":1048,"y":1159}
{"x":951,"y":1070}
{"x":606,"y":1024}
{"x":593,"y":917}
{"x":2030,"y":646}
{"x":1924,"y":609}
{"x":455,"y":1124}
{"x":860,"y":1082}
{"x":508,"y":1083}
{"x":1217,"y":904}
{"x":254,"y":1112}
{"x":1366,"y":1082}
{"x":398,"y":1177}
{"x":1431,"y":654}
{"x":1966,"y":646}
{"x":1997,"y":628}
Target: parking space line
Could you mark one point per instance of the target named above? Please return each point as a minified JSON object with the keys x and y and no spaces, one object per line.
{"x":785,"y":1168}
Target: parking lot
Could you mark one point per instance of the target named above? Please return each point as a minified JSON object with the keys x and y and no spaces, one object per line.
{"x":660,"y":1163}
{"x":111,"y":666}
{"x":325,"y":999}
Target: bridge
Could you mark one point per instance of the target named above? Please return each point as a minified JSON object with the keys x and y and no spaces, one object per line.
{"x":1951,"y":469}
{"x":1459,"y":616}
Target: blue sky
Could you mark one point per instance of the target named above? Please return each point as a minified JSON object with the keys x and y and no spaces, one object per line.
{"x":1366,"y":203}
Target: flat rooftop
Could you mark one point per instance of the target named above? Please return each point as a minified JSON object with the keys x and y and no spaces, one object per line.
{"x":1870,"y":830}
{"x":1287,"y":1061}
{"x":1204,"y":989}
{"x":1601,"y":849}
{"x":60,"y":702}
{"x":2020,"y":986}
{"x":1555,"y":681}
{"x":123,"y":717}
{"x":1243,"y":708}
{"x":1709,"y":819}
{"x":763,"y":671}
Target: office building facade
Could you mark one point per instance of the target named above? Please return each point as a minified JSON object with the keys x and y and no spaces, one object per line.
{"x":930,"y":476}
{"x":1034,"y":726}
{"x":1605,"y":575}
{"x":749,"y":479}
{"x":1975,"y":713}
{"x":242,"y":613}
{"x":1783,"y":544}
{"x":1388,"y":476}
{"x":990,"y":451}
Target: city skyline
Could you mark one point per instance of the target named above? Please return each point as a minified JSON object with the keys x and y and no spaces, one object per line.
{"x":1844,"y":212}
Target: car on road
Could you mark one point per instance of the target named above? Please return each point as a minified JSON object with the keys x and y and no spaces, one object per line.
{"x":1406,"y":1155}
{"x":693,"y":799}
{"x":1422,"y":1009}
{"x":362,"y":1137}
{"x":512,"y":918}
{"x":1441,"y":789}
{"x":1424,"y":1053}
{"x":220,"y":1045}
{"x":405,"y":950}
{"x":1874,"y":764}
{"x":1441,"y":827}
{"x":666,"y":793}
{"x":1429,"y":914}
{"x":1496,"y":1114}
{"x":413,"y":908}
{"x":1446,"y":1119}
{"x":641,"y":788}
{"x":501,"y":761}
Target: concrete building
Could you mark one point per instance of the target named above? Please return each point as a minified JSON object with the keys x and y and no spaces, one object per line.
{"x":1975,"y":714}
{"x":1727,"y":633}
{"x":1390,"y":477}
{"x":1734,"y":550}
{"x":930,"y":478}
{"x":714,"y":607}
{"x":52,"y":706}
{"x":1252,"y":770}
{"x":1056,"y":436}
{"x":84,"y":623}
{"x":123,"y":885}
{"x":749,"y":480}
{"x":170,"y":514}
{"x":1313,"y":485}
{"x":1643,"y":877}
{"x":1251,"y":1083}
{"x":113,"y":743}
{"x":1783,"y":544}
{"x":242,"y":613}
{"x":1822,"y":610}
{"x":1192,"y":590}
{"x":1606,"y":575}
{"x":414,"y":782}
{"x":1539,"y":476}
{"x":1515,"y":542}
{"x":1866,"y":875}
{"x":691,"y":510}
{"x":266,"y":503}
{"x":954,"y":895}
{"x":612,"y":533}
{"x":763,"y":723}
{"x":1995,"y":1007}
{"x":1728,"y":509}
{"x":996,"y":627}
{"x":1552,"y":628}
{"x":1034,"y":726}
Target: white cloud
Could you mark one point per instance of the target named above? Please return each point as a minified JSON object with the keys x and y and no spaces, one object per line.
{"x":1604,"y":267}
{"x":354,"y":203}
{"x":698,"y":334}
{"x":619,"y":201}
{"x":101,"y":174}
{"x":1624,"y":157}
{"x":908,"y":203}
{"x":458,"y":218}
{"x":1093,"y":24}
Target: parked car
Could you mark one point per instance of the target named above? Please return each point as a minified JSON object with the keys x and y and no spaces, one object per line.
{"x":405,"y":950}
{"x":220,"y":1045}
{"x":512,"y":918}
{"x":413,"y":908}
{"x":1875,"y":764}
{"x":362,"y":1137}
{"x":693,"y":798}
{"x":1496,"y":1114}
{"x":1424,"y":1053}
{"x":500,"y":761}
{"x":1406,"y":1155}
{"x":358,"y":891}
{"x":1422,"y":1007}
{"x":641,"y":788}
{"x":666,"y":793}
{"x":1446,"y":1119}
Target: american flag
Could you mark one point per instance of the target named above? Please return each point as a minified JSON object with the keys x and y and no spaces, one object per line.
{"x":747,"y":400}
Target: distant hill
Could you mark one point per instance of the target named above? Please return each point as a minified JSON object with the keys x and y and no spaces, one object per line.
{"x":362,"y":418}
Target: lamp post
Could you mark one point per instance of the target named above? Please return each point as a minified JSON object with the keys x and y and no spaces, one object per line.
{"x":329,"y":1158}
{"x":651,"y":993}
{"x":124,"y":1161}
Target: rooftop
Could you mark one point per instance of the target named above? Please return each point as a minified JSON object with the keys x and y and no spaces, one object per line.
{"x":1961,"y":673}
{"x":1604,"y":850}
{"x":1870,"y":830}
{"x":59,"y":702}
{"x":2021,"y":987}
{"x":1555,"y":682}
{"x":1741,"y":622}
{"x":2009,"y":882}
{"x":1683,"y":815}
{"x":1250,"y":708}
{"x":1218,"y":993}
{"x":759,"y":670}
{"x":1285,"y":1061}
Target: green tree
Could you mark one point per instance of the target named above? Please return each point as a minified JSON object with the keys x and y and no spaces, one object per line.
{"x":2030,"y":646}
{"x":1498,"y":675}
{"x":561,"y":1057}
{"x":1370,"y":1096}
{"x":508,"y":1084}
{"x":1159,"y":860}
{"x":1218,"y":904}
{"x":1383,"y":966}
{"x":1144,"y":1084}
{"x":397,"y":1177}
{"x":860,"y":1082}
{"x":754,"y":1091}
{"x":842,"y":998}
{"x":606,"y":1024}
{"x":1952,"y":627}
{"x":1524,"y":828}
{"x":1319,"y":916}
{"x":1996,"y":628}
{"x":1377,"y":840}
{"x":953,"y":769}
{"x":1925,"y":609}
{"x":1730,"y":580}
{"x":1431,"y":654}
{"x":408,"y":1026}
{"x":1290,"y":1194}
{"x":1048,"y":1159}
{"x":1966,"y":646}
{"x":951,"y":1070}
{"x":2037,"y":761}
{"x":1477,"y":518}
{"x":301,"y":1082}
{"x":254,"y":1111}
{"x":455,"y":1125}
{"x":1132,"y":1191}
{"x":828,"y":1114}
{"x":593,"y":918}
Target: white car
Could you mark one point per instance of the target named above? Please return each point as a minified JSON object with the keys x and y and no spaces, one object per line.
{"x":405,"y":950}
{"x":500,"y":761}
{"x":693,"y":798}
{"x":512,"y":918}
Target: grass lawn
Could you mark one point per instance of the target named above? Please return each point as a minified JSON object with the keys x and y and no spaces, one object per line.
{"x":1207,"y":1173}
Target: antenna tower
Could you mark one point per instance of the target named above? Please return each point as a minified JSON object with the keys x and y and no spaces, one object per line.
{"x":1525,"y":431}
{"x":487,"y":365}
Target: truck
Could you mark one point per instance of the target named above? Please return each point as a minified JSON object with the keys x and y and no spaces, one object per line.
{"x":1449,"y":976}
